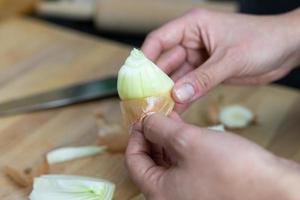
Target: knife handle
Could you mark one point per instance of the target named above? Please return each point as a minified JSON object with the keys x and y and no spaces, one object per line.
{"x":142,"y":16}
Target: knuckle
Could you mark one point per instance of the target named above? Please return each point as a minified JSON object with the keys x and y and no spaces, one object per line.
{"x":152,"y":35}
{"x":181,"y":138}
{"x":203,"y":80}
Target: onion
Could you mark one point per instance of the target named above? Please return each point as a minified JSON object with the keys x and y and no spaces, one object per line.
{"x":217,"y":128}
{"x":143,"y":88}
{"x":236,"y":116}
{"x":71,"y":153}
{"x":63,"y":187}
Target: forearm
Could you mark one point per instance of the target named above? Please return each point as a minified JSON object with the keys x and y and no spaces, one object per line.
{"x":290,"y":25}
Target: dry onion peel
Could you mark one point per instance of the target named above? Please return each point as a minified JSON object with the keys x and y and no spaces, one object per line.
{"x":112,"y":135}
{"x":135,"y":110}
{"x":72,"y":153}
{"x":143,"y":88}
{"x":64,"y":187}
{"x":24,"y":178}
{"x":17,"y":176}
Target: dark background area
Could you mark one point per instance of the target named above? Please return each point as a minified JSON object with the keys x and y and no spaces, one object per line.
{"x":260,"y":7}
{"x":263,"y":7}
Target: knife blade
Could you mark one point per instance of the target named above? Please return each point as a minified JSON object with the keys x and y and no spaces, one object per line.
{"x":83,"y":92}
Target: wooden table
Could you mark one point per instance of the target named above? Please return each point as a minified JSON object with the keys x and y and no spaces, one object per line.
{"x":36,"y":57}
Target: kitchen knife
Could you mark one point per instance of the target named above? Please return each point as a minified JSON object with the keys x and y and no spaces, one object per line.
{"x":92,"y":90}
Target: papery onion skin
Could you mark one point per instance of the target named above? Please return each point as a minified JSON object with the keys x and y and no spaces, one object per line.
{"x":136,"y":110}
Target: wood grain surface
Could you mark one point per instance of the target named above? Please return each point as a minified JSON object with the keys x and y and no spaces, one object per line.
{"x":10,"y":8}
{"x":35,"y":57}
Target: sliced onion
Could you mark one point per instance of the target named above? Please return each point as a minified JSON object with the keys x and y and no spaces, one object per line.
{"x":71,"y":153}
{"x":236,"y":116}
{"x":64,"y":187}
{"x":217,"y":128}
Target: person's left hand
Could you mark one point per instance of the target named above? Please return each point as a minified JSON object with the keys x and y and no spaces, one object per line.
{"x":195,"y":163}
{"x":203,"y":49}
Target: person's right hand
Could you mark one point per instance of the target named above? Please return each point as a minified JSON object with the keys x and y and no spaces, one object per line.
{"x":202,"y":49}
{"x":200,"y":164}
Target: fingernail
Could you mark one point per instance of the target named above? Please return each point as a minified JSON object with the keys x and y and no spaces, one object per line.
{"x":184,"y":92}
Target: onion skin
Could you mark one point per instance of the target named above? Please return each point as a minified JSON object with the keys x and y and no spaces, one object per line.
{"x":136,"y":110}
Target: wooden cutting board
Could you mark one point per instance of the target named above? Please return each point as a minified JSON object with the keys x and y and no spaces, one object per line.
{"x":35,"y":57}
{"x":10,"y":8}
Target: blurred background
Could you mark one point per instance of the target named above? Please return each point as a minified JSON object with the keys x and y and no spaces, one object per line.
{"x":129,"y":21}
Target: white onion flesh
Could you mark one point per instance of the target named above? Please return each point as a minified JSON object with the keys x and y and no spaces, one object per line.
{"x":236,"y":116}
{"x":217,"y":128}
{"x":64,"y":187}
{"x":72,"y":153}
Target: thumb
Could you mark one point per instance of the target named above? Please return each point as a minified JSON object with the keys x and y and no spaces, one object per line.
{"x":142,"y":169}
{"x":173,"y":135}
{"x":196,"y":83}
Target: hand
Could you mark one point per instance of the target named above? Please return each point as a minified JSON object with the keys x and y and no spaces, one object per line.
{"x":195,"y":163}
{"x":203,"y":48}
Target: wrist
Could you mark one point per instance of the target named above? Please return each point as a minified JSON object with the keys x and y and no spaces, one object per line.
{"x":289,"y":179}
{"x":270,"y":178}
{"x":277,"y":179}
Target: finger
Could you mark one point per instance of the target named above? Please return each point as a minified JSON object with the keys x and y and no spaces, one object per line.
{"x":140,"y":165}
{"x":157,"y":154}
{"x":197,"y":82}
{"x":171,"y":59}
{"x":196,"y":57}
{"x":184,"y":69}
{"x":166,"y":132}
{"x":175,"y":116}
{"x":163,"y":38}
{"x":170,"y":35}
{"x":180,"y":108}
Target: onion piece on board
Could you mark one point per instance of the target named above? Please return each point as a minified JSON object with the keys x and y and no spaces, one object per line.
{"x":217,"y":128}
{"x":71,"y":153}
{"x":65,"y":187}
{"x":236,"y":116}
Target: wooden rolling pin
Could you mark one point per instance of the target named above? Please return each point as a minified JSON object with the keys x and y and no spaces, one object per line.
{"x":10,"y":8}
{"x":140,"y":16}
{"x":134,"y":16}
